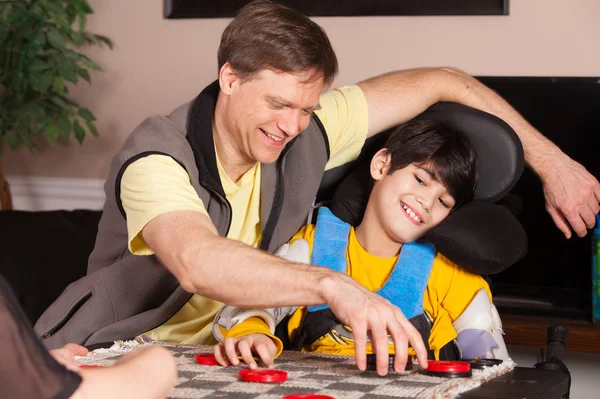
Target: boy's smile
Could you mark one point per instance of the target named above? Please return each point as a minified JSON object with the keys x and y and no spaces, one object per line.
{"x":412,"y":215}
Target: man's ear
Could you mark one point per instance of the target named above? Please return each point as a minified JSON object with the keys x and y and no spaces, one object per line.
{"x":228,"y":79}
{"x":380,"y":164}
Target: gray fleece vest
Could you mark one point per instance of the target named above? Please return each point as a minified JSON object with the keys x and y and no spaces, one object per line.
{"x":124,"y":295}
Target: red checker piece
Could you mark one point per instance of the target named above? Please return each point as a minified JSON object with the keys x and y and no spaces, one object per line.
{"x":448,"y":366}
{"x":308,"y":396}
{"x":207,"y":359}
{"x":263,"y":375}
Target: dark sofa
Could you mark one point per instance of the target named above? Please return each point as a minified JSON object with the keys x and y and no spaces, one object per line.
{"x":43,"y":252}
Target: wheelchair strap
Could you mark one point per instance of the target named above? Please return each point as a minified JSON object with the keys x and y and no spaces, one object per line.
{"x":413,"y":266}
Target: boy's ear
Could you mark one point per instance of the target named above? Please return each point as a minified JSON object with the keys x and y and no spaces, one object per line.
{"x":380,"y":164}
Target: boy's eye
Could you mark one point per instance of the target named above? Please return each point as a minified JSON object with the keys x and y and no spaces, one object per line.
{"x":421,"y":182}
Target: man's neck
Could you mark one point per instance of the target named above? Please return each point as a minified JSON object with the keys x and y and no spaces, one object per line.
{"x":231,"y":156}
{"x":373,"y":239}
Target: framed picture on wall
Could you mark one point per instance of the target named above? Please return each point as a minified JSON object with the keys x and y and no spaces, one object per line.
{"x":331,"y":8}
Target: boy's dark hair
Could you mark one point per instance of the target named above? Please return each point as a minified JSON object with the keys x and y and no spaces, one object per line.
{"x":265,"y":34}
{"x":450,"y":155}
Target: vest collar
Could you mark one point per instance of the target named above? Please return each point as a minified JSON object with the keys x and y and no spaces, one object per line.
{"x":200,"y":137}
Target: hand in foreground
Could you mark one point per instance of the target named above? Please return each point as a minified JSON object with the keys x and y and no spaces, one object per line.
{"x":572,"y":195}
{"x":367,"y":313}
{"x":246,"y":346}
{"x":66,"y":355}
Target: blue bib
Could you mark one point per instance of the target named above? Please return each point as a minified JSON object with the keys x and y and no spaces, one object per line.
{"x":411,"y":270}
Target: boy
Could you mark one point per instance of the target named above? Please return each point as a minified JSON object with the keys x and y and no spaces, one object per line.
{"x":425,"y":171}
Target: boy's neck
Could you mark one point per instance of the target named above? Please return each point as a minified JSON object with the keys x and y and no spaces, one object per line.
{"x":373,"y":240}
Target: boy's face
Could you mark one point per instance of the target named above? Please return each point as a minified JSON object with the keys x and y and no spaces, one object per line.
{"x":409,"y":201}
{"x":267,"y":111}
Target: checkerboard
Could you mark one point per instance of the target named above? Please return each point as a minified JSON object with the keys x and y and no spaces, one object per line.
{"x":308,"y":373}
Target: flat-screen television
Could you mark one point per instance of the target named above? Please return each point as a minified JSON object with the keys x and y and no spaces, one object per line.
{"x":554,"y":278}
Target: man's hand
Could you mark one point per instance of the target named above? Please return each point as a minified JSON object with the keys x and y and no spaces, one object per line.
{"x":369,"y":314}
{"x":572,"y":195}
{"x":66,"y":355}
{"x":246,"y":346}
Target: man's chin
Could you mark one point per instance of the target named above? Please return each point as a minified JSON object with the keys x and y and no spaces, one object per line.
{"x":270,"y":157}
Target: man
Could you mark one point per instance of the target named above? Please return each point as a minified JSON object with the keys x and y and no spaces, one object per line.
{"x":191,"y":194}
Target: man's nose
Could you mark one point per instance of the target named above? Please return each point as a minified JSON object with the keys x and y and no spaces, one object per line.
{"x":291,"y":123}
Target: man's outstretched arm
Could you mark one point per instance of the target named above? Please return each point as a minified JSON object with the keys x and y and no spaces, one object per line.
{"x":229,"y":271}
{"x":572,"y":193}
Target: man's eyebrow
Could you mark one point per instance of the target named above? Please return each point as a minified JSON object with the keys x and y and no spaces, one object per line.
{"x":284,"y":102}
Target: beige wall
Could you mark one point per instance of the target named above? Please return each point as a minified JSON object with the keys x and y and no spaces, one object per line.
{"x":158,"y":64}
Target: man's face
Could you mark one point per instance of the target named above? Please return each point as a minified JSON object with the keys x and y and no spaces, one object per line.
{"x":267,"y":111}
{"x":410,"y":202}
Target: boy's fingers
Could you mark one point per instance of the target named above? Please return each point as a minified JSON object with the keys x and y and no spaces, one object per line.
{"x":231,"y":352}
{"x":219,"y":355}
{"x":265,"y":354}
{"x":246,"y":353}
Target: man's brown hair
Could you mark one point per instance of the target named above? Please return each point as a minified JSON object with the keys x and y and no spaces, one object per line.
{"x":265,"y":34}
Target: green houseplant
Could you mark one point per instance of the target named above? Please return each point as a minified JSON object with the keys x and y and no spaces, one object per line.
{"x":39,"y":40}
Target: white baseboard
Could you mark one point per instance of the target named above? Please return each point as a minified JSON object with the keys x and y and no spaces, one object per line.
{"x":50,"y":193}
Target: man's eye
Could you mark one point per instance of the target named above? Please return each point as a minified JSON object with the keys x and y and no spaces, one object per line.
{"x":306,"y":112}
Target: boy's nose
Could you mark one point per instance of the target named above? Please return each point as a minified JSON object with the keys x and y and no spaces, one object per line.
{"x":425,"y":203}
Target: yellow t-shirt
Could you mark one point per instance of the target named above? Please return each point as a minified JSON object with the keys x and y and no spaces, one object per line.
{"x":156,"y":184}
{"x":449,"y":292}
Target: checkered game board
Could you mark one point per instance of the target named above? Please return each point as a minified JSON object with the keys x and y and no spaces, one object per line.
{"x":308,"y":373}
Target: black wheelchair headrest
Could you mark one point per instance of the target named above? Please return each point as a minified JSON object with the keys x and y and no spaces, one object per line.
{"x":499,"y":150}
{"x":481,"y":237}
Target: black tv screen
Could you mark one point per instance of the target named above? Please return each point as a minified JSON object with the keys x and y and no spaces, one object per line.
{"x":555,"y":276}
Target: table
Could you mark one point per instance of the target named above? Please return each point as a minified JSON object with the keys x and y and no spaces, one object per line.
{"x":338,"y":376}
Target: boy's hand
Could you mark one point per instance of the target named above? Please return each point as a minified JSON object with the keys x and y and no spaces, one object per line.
{"x":246,"y":346}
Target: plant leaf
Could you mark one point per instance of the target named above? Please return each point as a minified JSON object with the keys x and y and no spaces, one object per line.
{"x":78,"y":38}
{"x":56,"y":38}
{"x":46,"y":81}
{"x":52,"y":132}
{"x":59,"y":85}
{"x":86,"y":114}
{"x":25,"y":138}
{"x":105,"y":40}
{"x":38,"y":65}
{"x":92,"y":128}
{"x":84,"y":74}
{"x":82,"y":22}
{"x":91,"y":64}
{"x":58,"y":18}
{"x":64,"y":125}
{"x":11,"y":139}
{"x":67,"y":71}
{"x":78,"y":131}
